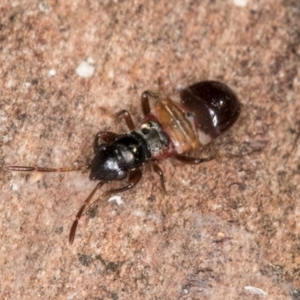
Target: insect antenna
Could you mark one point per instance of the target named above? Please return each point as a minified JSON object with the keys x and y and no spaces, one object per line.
{"x":41,"y":169}
{"x":81,"y":210}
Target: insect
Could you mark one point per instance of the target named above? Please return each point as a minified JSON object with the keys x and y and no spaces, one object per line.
{"x":170,"y":129}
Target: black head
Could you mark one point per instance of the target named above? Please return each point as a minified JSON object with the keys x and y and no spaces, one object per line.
{"x":106,"y":165}
{"x":112,"y":161}
{"x":213,"y":104}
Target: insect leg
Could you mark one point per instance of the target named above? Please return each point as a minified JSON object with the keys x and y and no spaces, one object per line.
{"x":127,"y":117}
{"x":105,"y":136}
{"x":156,"y":168}
{"x":191,"y":160}
{"x":145,"y":101}
{"x":134,"y":177}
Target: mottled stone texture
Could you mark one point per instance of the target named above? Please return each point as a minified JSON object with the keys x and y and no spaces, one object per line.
{"x":225,"y":227}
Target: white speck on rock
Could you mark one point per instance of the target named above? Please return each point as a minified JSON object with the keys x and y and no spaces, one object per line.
{"x":51,"y":72}
{"x":14,"y":187}
{"x":117,"y":199}
{"x":240,"y":3}
{"x":86,"y":68}
{"x":255,"y":291}
{"x":27,"y":85}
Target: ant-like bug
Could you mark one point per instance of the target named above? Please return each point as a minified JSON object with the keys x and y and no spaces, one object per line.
{"x":170,"y":129}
